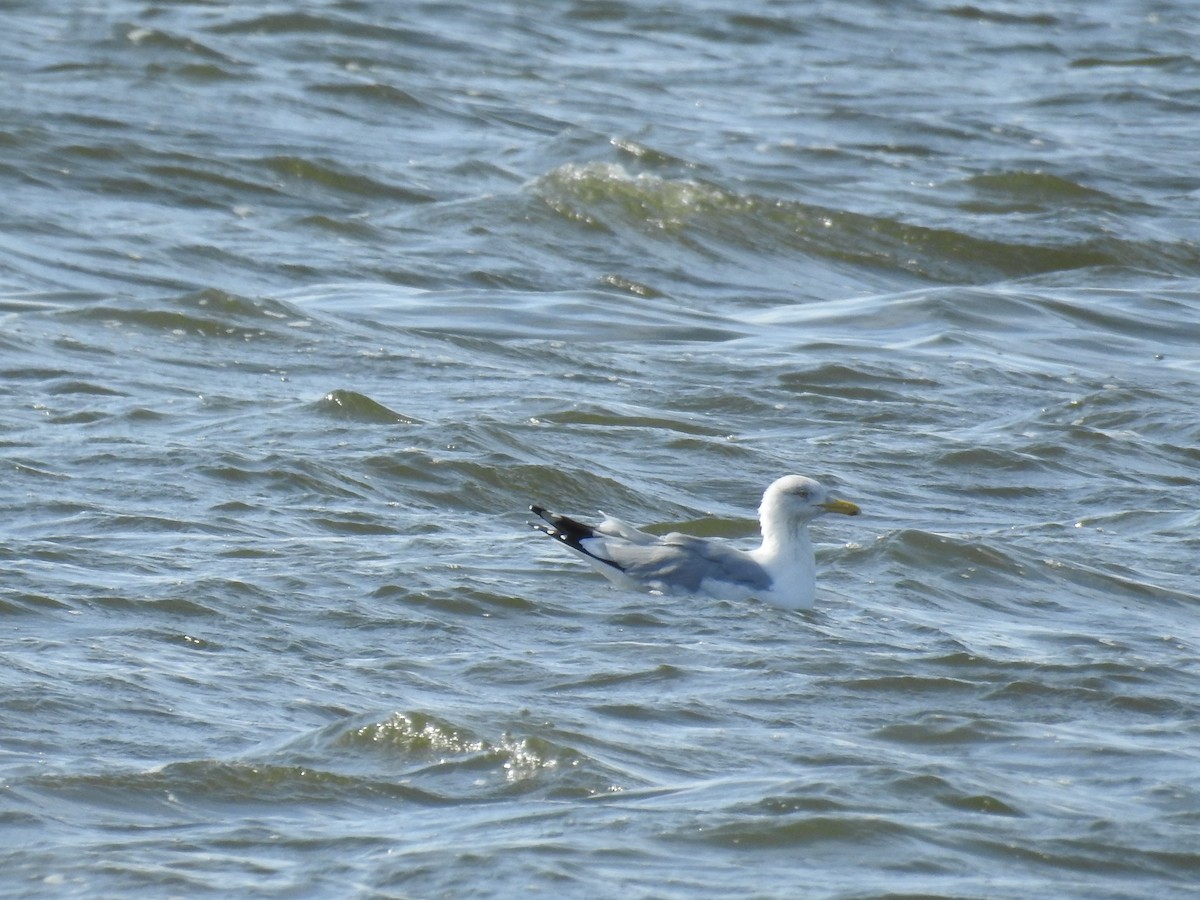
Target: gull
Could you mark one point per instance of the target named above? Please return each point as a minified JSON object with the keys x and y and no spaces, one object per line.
{"x":782,"y":571}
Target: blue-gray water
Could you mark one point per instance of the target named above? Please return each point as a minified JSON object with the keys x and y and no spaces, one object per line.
{"x":303,"y":304}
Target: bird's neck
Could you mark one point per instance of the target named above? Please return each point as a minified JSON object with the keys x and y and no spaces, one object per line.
{"x":787,"y":553}
{"x":785,"y":540}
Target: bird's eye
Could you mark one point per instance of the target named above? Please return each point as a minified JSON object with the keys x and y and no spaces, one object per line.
{"x":802,"y":493}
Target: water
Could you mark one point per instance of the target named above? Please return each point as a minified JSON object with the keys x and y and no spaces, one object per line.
{"x":304,"y":304}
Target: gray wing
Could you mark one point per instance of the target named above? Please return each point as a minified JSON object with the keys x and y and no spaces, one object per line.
{"x":682,"y":562}
{"x":618,"y":528}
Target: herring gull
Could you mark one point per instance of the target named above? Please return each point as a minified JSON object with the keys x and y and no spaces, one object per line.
{"x":782,"y":571}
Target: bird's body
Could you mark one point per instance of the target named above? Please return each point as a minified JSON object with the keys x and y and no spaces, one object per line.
{"x":782,"y":571}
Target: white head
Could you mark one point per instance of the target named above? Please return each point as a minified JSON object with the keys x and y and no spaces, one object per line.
{"x":788,"y":505}
{"x":794,"y":501}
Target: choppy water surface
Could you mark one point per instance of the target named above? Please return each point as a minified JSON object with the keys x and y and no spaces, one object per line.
{"x":303,"y":304}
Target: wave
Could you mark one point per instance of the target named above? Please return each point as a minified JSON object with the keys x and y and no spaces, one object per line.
{"x":717,"y":221}
{"x":353,"y":406}
{"x":407,"y":757}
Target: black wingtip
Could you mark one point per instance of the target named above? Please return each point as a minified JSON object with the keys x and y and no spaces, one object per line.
{"x":568,"y":531}
{"x":546,"y":527}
